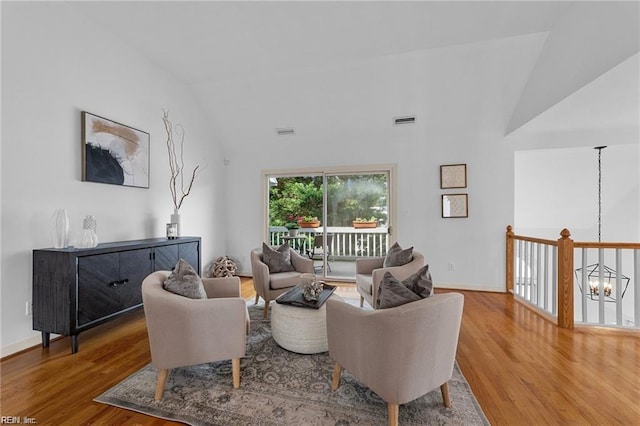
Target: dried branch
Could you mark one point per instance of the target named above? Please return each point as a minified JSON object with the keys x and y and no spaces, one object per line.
{"x":176,"y":163}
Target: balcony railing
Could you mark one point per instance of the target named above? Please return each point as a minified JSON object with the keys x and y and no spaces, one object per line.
{"x":347,"y":243}
{"x":543,"y":274}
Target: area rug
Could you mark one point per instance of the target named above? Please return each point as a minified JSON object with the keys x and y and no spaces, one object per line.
{"x":279,"y":387}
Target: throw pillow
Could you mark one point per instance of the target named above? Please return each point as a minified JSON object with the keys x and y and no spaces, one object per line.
{"x":184,"y":280}
{"x":278,"y":260}
{"x":420,"y":282}
{"x":391,"y":292}
{"x":396,"y":256}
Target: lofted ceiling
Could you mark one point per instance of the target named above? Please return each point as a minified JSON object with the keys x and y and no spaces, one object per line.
{"x":204,"y":42}
{"x":211,"y":41}
{"x":610,"y":101}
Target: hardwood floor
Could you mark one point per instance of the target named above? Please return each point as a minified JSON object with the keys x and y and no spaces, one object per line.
{"x":522,"y":369}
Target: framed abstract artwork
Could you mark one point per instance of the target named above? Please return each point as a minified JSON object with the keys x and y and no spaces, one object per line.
{"x":114,"y":153}
{"x":455,"y":205}
{"x":453,"y":176}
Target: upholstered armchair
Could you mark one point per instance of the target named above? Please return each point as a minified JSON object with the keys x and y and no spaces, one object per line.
{"x":400,"y":353}
{"x":271,"y":285}
{"x":184,"y":331}
{"x":369,"y":273}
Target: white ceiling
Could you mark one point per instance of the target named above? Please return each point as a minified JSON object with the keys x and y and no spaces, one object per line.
{"x":203,"y":42}
{"x":211,"y":41}
{"x":610,"y":101}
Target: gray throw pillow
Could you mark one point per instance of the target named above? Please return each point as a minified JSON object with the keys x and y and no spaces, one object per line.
{"x":396,"y":256}
{"x":391,"y":292}
{"x":184,"y":280}
{"x":278,"y":260}
{"x":420,"y":282}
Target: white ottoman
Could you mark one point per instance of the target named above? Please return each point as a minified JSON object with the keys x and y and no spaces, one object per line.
{"x":300,"y":330}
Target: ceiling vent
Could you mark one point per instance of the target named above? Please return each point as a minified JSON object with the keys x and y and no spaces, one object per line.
{"x":410,"y":119}
{"x":285,"y":132}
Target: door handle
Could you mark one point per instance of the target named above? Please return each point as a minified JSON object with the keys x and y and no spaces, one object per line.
{"x":119,"y":283}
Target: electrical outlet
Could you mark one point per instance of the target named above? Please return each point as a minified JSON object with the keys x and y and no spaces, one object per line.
{"x":28,"y":308}
{"x":452,"y":267}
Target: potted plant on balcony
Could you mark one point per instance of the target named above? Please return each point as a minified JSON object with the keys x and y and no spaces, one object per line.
{"x":365,"y":223}
{"x":308,"y":222}
{"x":293,"y":228}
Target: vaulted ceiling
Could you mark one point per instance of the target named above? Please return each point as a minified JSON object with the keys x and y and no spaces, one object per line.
{"x":208,"y":41}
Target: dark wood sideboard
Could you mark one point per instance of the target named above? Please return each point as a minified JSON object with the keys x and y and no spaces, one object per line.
{"x":76,"y":289}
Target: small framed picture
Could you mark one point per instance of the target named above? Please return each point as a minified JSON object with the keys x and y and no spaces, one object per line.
{"x":455,"y":205}
{"x":453,"y":176}
{"x":172,"y":231}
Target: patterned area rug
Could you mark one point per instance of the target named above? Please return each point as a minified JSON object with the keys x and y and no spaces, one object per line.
{"x":279,"y":387}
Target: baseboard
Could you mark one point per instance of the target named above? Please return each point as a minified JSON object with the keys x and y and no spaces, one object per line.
{"x":20,"y":346}
{"x":469,"y":287}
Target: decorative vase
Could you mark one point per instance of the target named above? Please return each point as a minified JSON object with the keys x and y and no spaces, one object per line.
{"x":60,"y":228}
{"x":88,"y":239}
{"x":175,"y":218}
{"x":88,"y":236}
{"x":293,"y":232}
{"x":90,"y":231}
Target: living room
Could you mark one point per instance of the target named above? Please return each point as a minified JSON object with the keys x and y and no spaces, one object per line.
{"x":487,"y":97}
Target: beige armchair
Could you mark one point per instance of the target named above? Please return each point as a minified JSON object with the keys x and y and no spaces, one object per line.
{"x":269,"y":286}
{"x":369,"y":273}
{"x":400,"y":353}
{"x":185,"y":331}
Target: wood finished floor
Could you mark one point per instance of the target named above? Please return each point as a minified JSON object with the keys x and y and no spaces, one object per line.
{"x":522,"y":369}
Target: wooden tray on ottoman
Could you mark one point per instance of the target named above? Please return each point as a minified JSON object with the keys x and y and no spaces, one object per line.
{"x":295,"y":297}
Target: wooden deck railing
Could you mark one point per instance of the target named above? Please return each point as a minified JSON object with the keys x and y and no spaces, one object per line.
{"x":347,"y":243}
{"x":543,"y":273}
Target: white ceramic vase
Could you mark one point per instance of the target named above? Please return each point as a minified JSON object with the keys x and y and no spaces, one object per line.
{"x":60,"y":228}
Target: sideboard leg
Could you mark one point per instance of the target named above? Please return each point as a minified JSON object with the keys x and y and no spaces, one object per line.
{"x":45,"y":339}
{"x":74,"y":343}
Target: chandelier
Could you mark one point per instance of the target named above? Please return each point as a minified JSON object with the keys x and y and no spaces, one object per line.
{"x":600,"y":277}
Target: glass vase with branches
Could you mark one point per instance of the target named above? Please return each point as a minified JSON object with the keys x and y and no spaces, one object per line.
{"x":178,"y":186}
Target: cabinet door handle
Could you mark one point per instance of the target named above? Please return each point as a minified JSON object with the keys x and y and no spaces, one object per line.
{"x":118,"y":283}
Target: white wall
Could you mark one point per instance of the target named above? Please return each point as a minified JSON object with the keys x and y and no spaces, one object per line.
{"x":558,"y":188}
{"x":54,"y":65}
{"x":343,"y":116}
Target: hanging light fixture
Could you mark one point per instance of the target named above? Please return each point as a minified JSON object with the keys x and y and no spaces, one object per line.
{"x":601,"y":278}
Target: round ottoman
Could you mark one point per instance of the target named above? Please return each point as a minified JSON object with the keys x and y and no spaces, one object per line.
{"x":300,"y":330}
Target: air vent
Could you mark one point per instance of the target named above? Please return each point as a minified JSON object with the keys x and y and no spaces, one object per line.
{"x":404,"y":120}
{"x":285,"y":132}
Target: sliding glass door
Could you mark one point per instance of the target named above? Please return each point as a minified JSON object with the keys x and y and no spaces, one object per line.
{"x":332,"y":217}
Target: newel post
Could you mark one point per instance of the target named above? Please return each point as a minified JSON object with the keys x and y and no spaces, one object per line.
{"x":565,"y":280}
{"x":510,"y":254}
